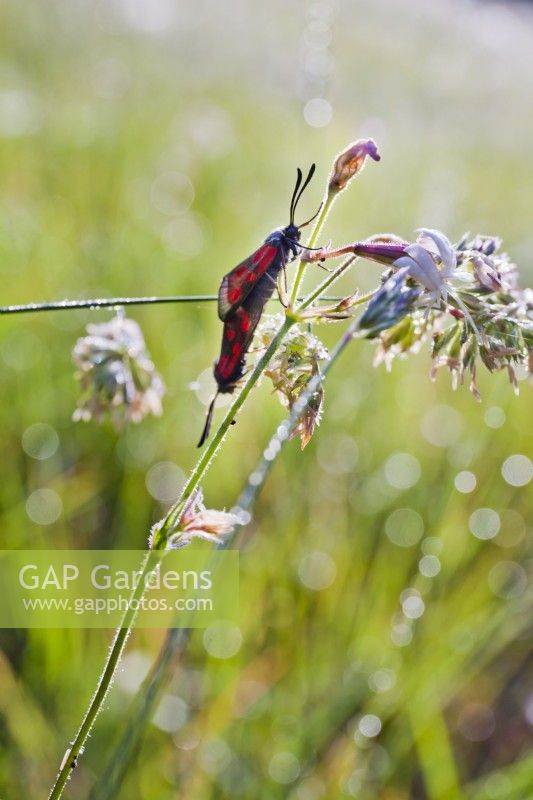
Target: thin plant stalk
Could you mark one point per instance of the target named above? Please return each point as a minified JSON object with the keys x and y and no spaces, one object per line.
{"x":111,"y":302}
{"x":328,"y":201}
{"x":328,"y":281}
{"x":104,"y":302}
{"x":115,"y":653}
{"x":205,"y":460}
{"x":172,"y":517}
{"x":121,"y":636}
{"x":175,"y":643}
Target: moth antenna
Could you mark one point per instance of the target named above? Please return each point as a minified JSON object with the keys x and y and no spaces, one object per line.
{"x":208,"y":421}
{"x":312,"y":218}
{"x":303,"y":187}
{"x":292,"y":206}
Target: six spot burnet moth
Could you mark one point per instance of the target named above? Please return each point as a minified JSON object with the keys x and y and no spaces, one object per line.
{"x":244,"y":293}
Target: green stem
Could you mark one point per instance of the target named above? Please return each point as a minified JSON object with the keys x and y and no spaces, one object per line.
{"x":109,"y":783}
{"x":173,"y":516}
{"x":331,"y":278}
{"x":210,"y":451}
{"x":121,"y":636}
{"x":108,"y":302}
{"x":326,"y":208}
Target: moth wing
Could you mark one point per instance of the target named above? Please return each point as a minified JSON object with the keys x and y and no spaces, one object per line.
{"x":238,"y":333}
{"x":237,"y":284}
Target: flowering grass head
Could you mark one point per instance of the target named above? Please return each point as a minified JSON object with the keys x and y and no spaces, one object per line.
{"x":117,"y":377}
{"x":465,"y":296}
{"x":468,"y":300}
{"x":295,"y":363}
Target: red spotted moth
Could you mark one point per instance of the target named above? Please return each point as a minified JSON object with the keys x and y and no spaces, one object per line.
{"x":244,"y":293}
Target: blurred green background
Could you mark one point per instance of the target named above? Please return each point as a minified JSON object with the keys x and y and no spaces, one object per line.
{"x":145,"y":147}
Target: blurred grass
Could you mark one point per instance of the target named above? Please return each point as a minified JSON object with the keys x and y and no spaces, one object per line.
{"x":96,"y":105}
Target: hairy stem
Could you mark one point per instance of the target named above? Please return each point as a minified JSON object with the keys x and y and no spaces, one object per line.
{"x":205,"y":460}
{"x":121,"y":636}
{"x":110,"y":302}
{"x":174,"y":646}
{"x":172,"y":517}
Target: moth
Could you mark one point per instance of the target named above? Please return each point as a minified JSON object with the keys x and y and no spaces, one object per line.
{"x":244,"y":292}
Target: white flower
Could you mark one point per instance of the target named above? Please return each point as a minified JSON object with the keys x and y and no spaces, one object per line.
{"x":198,"y":522}
{"x":432,"y":262}
{"x":116,"y":374}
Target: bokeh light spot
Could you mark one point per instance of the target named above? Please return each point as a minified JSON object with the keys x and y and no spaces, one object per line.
{"x":171,"y":713}
{"x":442,"y":426}
{"x":465,"y":482}
{"x":402,"y":470}
{"x":164,"y":481}
{"x":383,"y":680}
{"x":44,"y":506}
{"x":507,"y":580}
{"x":318,"y":112}
{"x":429,"y":566}
{"x":172,"y":193}
{"x":369,"y":725}
{"x":413,"y":606}
{"x":404,"y":527}
{"x":284,"y":767}
{"x":517,"y":470}
{"x":134,"y":668}
{"x":222,"y":640}
{"x":484,"y":523}
{"x":494,"y":417}
{"x":337,"y":455}
{"x":317,"y":570}
{"x":40,"y":441}
{"x":476,"y":722}
{"x":401,"y":634}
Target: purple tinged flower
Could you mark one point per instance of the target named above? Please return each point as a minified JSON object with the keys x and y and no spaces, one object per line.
{"x":383,"y":250}
{"x":437,"y":243}
{"x":432,"y":262}
{"x":392,"y":302}
{"x":198,"y":522}
{"x":487,"y":277}
{"x":350,"y":162}
{"x":420,"y":265}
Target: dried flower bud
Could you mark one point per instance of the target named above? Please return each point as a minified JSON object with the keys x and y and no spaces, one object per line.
{"x":384,"y":248}
{"x":311,"y":416}
{"x":350,"y":162}
{"x":198,"y":522}
{"x":294,"y":365}
{"x":486,"y":275}
{"x":116,"y":375}
{"x":492,"y":268}
{"x":457,"y":350}
{"x":390,"y":304}
{"x":402,"y":339}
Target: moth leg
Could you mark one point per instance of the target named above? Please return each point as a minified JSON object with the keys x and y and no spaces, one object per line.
{"x":281,"y":294}
{"x":283,"y":287}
